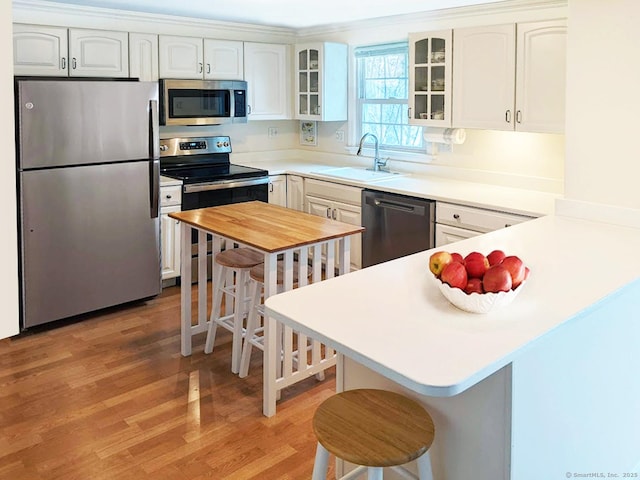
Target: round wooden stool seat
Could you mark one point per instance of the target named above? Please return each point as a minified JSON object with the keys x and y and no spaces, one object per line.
{"x":257,"y":272}
{"x":242,"y":257}
{"x":374,"y":428}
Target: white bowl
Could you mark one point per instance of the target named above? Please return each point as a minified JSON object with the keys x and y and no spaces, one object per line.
{"x":477,"y":302}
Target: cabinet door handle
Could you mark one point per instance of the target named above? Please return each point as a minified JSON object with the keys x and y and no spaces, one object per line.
{"x":63,"y":63}
{"x":409,"y":113}
{"x":328,"y":212}
{"x":248,"y":109}
{"x":208,"y":68}
{"x":507,"y":116}
{"x":334,"y":215}
{"x":200,"y":64}
{"x":73,"y":63}
{"x":271,"y":188}
{"x":519,"y":116}
{"x":456,"y":216}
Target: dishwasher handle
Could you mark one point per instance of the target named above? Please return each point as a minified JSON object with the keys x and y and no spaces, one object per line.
{"x":395,"y":205}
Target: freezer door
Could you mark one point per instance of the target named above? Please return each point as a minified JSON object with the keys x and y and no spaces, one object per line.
{"x":88,"y":239}
{"x":84,"y":122}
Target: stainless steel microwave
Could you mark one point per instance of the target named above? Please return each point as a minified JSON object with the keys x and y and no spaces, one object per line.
{"x":202,"y":102}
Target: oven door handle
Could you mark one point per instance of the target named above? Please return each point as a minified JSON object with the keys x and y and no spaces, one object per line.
{"x":224,"y":185}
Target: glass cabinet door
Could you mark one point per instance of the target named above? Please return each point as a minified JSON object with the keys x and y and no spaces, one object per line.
{"x":430,"y":78}
{"x":308,"y":82}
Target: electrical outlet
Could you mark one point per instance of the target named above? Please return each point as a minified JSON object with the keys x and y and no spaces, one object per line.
{"x":340,"y":135}
{"x":273,"y":132}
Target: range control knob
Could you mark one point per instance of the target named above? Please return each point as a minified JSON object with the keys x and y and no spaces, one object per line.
{"x":226,"y":144}
{"x":164,"y":148}
{"x":219,"y":144}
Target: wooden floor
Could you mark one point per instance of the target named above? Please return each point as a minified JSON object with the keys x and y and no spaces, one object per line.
{"x":110,"y":397}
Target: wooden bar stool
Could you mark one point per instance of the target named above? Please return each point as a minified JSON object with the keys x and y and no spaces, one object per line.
{"x":373,"y":429}
{"x":237,"y":261}
{"x":255,"y":329}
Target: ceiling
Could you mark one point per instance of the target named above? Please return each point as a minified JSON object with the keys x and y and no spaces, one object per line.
{"x":282,"y":13}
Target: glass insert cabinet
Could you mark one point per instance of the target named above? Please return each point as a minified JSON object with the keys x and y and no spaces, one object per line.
{"x":430,"y":78}
{"x":321,"y":81}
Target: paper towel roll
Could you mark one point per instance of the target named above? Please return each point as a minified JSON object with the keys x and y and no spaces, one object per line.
{"x":445,"y":135}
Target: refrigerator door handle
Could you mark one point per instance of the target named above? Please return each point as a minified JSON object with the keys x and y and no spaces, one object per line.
{"x":154,"y":183}
{"x":154,"y":127}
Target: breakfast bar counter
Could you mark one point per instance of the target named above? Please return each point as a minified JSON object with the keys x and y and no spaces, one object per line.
{"x":521,"y":392}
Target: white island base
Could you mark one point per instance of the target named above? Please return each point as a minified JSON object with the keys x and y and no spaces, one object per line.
{"x":567,"y":407}
{"x":545,"y":388}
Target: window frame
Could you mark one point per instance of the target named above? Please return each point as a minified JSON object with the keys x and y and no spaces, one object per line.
{"x":361,"y":53}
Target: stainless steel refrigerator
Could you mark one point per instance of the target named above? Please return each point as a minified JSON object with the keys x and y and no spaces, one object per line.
{"x":88,"y":180}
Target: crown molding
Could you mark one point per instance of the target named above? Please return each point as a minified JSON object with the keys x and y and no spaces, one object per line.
{"x":503,"y":7}
{"x":23,"y":8}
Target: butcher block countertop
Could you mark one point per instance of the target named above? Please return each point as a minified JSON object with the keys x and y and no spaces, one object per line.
{"x":393,"y":319}
{"x":264,"y":226}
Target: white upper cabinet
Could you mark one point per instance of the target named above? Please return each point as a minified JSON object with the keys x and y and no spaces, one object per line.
{"x":540,"y":76}
{"x":491,"y":93}
{"x":223,"y":59}
{"x":181,"y":57}
{"x":430,"y":78}
{"x":40,"y":50}
{"x":98,"y":53}
{"x":143,"y":56}
{"x":321,"y":81}
{"x":267,"y":72}
{"x":55,"y":51}
{"x":197,"y":58}
{"x":484,"y":65}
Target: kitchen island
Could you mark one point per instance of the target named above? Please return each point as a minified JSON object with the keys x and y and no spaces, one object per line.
{"x":546,"y":387}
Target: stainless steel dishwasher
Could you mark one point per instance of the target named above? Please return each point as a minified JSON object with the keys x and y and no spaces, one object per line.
{"x":396,"y":225}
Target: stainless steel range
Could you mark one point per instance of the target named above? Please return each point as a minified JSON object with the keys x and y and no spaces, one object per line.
{"x":208,"y":177}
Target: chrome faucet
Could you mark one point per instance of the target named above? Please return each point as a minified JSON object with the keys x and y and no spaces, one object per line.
{"x":378,"y":163}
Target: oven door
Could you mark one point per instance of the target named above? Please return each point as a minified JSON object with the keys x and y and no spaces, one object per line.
{"x":201,"y":195}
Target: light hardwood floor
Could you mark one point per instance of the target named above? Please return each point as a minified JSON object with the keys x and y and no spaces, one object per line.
{"x":110,"y":397}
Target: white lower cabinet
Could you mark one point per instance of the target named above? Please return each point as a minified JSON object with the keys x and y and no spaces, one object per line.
{"x":170,"y":202}
{"x":458,"y":222}
{"x":295,"y":192}
{"x":337,"y":202}
{"x":278,"y":190}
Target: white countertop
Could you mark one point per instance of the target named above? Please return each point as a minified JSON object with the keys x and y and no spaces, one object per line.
{"x":391,"y":318}
{"x":512,"y":200}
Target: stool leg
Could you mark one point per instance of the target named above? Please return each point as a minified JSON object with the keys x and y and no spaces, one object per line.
{"x":375,"y":473}
{"x":238,"y":319}
{"x":218,"y":285}
{"x":321,"y":464}
{"x":424,"y":467}
{"x":252,"y":325}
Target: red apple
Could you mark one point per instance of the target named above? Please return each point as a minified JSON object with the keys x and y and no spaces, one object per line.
{"x":474,"y":285}
{"x":476,"y":264}
{"x":457,"y":257}
{"x":496,"y":257}
{"x":497,"y":279}
{"x":455,"y":275}
{"x":438,"y":261}
{"x":516,"y":268}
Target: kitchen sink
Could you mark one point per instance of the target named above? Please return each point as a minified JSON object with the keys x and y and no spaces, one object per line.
{"x":357,"y":174}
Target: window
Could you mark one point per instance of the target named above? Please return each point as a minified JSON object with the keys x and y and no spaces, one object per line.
{"x":383,"y":86}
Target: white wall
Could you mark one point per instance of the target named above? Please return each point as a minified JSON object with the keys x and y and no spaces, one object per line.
{"x":8,"y":239}
{"x":603,"y":102}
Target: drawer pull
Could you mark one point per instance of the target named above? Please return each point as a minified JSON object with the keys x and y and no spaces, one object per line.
{"x":507,"y":225}
{"x":168,"y":197}
{"x":456,"y":216}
